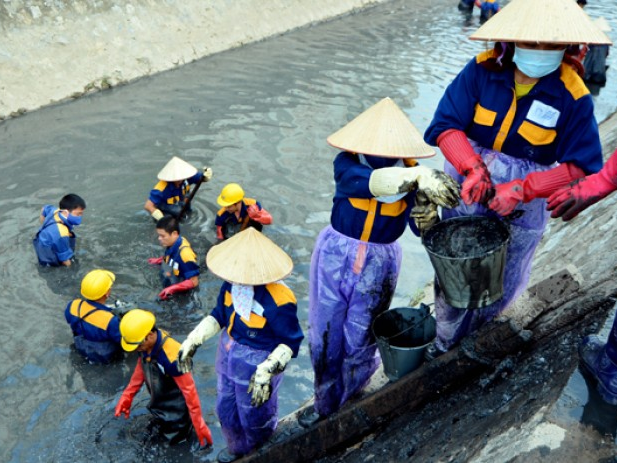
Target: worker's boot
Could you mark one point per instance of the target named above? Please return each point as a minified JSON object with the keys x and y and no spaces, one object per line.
{"x":600,"y":360}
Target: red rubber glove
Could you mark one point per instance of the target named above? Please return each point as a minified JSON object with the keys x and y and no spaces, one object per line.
{"x":126,"y":399}
{"x":155,"y":260}
{"x":177,"y":288}
{"x":219,"y":232}
{"x":477,"y":186}
{"x":535,"y":185}
{"x":259,"y":215}
{"x":187,"y":385}
{"x":582,"y":193}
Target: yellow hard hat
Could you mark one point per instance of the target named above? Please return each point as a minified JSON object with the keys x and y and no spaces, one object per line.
{"x":230,"y":194}
{"x":134,"y":327}
{"x":96,"y":283}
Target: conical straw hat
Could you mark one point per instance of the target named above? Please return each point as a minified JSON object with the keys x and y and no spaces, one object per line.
{"x":176,"y":169}
{"x":382,"y":130}
{"x":249,"y":258}
{"x":603,"y":24}
{"x":546,"y":21}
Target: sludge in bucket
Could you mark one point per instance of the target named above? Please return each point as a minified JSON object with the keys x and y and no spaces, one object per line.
{"x":468,"y":254}
{"x":402,"y":335}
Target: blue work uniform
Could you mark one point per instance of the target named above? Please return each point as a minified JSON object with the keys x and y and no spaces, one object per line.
{"x":232,"y":223}
{"x":96,"y":330}
{"x":179,"y":263}
{"x":553,"y":123}
{"x":354,"y":270}
{"x":169,"y":198}
{"x":54,"y":243}
{"x":243,"y":345}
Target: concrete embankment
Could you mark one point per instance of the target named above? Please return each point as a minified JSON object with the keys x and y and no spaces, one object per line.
{"x":54,"y":50}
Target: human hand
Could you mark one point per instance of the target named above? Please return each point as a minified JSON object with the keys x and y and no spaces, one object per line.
{"x":569,"y":201}
{"x":155,"y":260}
{"x":477,"y":186}
{"x":207,"y":174}
{"x":507,"y":197}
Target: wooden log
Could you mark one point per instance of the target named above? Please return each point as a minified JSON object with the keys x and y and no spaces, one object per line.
{"x":531,"y":321}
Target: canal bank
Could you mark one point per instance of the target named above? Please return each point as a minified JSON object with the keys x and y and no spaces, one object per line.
{"x":51,"y":51}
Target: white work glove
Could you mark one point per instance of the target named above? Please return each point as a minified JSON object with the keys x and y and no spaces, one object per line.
{"x":259,"y":385}
{"x":207,"y":328}
{"x":207,"y":174}
{"x":424,"y":213}
{"x":157,"y":214}
{"x":438,"y":186}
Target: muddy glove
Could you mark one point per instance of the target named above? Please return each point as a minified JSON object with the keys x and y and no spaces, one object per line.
{"x":126,"y":399}
{"x":582,"y":193}
{"x":186,"y":384}
{"x":157,"y":215}
{"x":535,"y":185}
{"x":477,"y":186}
{"x":439,"y":187}
{"x":177,"y":288}
{"x":259,"y":215}
{"x":259,"y":385}
{"x":207,"y":174}
{"x":424,"y":213}
{"x":207,"y":328}
{"x":155,"y":260}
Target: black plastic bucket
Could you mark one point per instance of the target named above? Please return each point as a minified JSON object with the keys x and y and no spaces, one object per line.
{"x":402,"y":335}
{"x":468,"y":254}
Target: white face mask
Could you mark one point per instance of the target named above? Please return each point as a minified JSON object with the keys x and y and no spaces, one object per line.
{"x":537,"y":63}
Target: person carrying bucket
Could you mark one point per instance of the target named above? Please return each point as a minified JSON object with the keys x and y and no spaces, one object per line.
{"x":169,"y":195}
{"x":516,"y":124}
{"x":261,"y":334}
{"x":238,"y":212}
{"x":96,"y":329}
{"x":174,"y":401}
{"x":356,"y":259}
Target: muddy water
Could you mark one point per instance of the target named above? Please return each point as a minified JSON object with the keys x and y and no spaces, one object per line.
{"x":258,"y":115}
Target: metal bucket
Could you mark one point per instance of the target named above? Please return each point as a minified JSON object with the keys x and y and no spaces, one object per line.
{"x":468,"y":254}
{"x":402,"y":335}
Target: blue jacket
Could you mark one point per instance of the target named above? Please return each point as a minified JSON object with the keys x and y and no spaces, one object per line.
{"x":168,"y":193}
{"x":54,"y":243}
{"x":356,"y":213}
{"x":276,"y":324}
{"x":222,"y":216}
{"x":181,"y":260}
{"x":553,"y":123}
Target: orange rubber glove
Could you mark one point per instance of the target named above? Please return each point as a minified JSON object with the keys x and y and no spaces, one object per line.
{"x":126,"y":399}
{"x":219,"y":233}
{"x":187,"y":386}
{"x":259,"y":215}
{"x":177,"y":288}
{"x":535,"y":185}
{"x":477,"y":186}
{"x":155,"y":260}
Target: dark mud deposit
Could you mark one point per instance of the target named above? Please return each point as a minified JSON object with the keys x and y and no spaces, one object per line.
{"x":457,"y":426}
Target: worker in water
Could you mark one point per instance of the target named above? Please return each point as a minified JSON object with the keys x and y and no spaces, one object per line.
{"x":96,"y":329}
{"x":174,"y":401}
{"x":179,"y":268}
{"x":238,"y":212}
{"x":261,"y":333}
{"x":515,"y":125}
{"x":169,"y":195}
{"x":54,"y":243}
{"x":357,"y":258}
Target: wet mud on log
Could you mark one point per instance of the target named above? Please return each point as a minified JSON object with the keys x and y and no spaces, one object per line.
{"x":528,"y":326}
